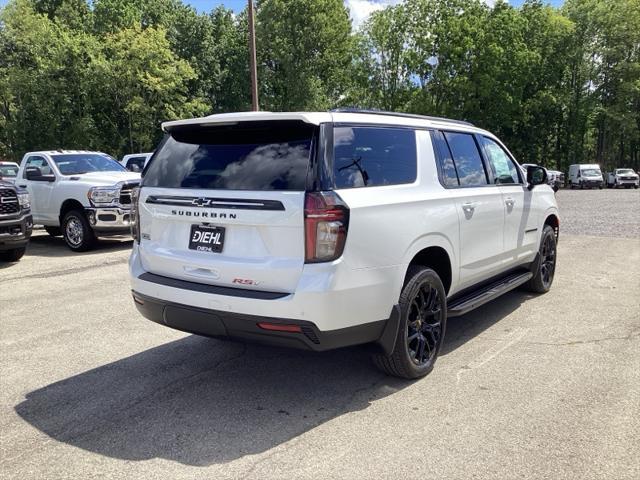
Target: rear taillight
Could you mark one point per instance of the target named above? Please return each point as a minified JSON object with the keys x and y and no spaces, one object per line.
{"x":326,"y":220}
{"x":135,"y":216}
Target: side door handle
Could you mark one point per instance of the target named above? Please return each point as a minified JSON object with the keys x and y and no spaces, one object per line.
{"x":510,"y":202}
{"x":469,"y":207}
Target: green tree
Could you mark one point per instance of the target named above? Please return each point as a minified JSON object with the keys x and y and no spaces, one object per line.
{"x":610,"y":63}
{"x":140,"y":83}
{"x":44,"y":77}
{"x":304,"y":53}
{"x":381,"y":71}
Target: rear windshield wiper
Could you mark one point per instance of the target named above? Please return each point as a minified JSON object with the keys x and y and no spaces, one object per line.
{"x":356,"y":163}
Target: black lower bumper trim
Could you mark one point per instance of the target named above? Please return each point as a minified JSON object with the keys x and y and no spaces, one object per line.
{"x":222,"y":324}
{"x":217,"y":290}
{"x":15,"y":233}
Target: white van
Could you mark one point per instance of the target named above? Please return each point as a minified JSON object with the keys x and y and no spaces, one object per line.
{"x":585,"y":175}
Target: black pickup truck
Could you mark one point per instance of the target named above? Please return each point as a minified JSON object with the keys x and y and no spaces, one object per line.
{"x":16,"y":223}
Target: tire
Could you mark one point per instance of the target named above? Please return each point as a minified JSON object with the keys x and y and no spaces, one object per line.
{"x":544,"y":269}
{"x":77,"y":232}
{"x":53,"y":231}
{"x":635,"y":186}
{"x":423,"y":321}
{"x":13,"y":255}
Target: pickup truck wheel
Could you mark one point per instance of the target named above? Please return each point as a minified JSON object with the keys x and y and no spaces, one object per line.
{"x":53,"y":231}
{"x":77,"y":232}
{"x":12,"y":255}
{"x":423,"y":318}
{"x":545,"y":267}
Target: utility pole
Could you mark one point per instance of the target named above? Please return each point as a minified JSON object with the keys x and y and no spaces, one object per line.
{"x":252,"y":60}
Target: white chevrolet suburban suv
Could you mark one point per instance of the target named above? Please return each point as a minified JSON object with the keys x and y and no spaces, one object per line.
{"x":78,"y":194}
{"x":324,"y":230}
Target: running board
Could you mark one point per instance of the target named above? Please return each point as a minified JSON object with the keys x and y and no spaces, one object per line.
{"x":486,"y":294}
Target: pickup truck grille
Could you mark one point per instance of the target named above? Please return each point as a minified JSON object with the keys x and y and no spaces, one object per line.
{"x":125,"y":193}
{"x":627,"y":178}
{"x":8,"y":202}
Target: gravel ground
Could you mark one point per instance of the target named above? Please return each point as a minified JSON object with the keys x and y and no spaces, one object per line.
{"x":605,"y":213}
{"x":527,"y":386}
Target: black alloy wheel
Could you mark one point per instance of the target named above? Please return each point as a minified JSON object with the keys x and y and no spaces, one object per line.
{"x":544,"y":268}
{"x":424,"y":324}
{"x":548,"y":261}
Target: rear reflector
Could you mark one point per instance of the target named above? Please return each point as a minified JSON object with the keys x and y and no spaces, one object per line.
{"x":280,"y":327}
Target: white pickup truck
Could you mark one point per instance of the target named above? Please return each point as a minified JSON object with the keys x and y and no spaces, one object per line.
{"x":78,"y":194}
{"x":622,"y":177}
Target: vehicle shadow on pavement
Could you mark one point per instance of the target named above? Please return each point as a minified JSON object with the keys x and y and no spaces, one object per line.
{"x":200,"y":401}
{"x":47,"y":246}
{"x":466,"y":327}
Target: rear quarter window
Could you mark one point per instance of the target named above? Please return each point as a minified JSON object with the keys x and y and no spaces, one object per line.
{"x":467,"y":159}
{"x":373,"y":156}
{"x":245,"y":156}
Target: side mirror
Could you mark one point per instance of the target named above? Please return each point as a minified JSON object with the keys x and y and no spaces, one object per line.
{"x":536,"y":176}
{"x":35,"y":174}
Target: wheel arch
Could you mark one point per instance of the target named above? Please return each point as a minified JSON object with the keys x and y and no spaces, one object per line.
{"x":435,"y":252}
{"x":552,"y":219}
{"x":68,"y":205}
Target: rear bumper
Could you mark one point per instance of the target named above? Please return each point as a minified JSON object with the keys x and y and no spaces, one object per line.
{"x":330,"y":296}
{"x":15,"y":233}
{"x":221,"y":324}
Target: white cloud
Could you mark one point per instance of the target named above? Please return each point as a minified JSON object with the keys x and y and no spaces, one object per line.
{"x":361,"y":9}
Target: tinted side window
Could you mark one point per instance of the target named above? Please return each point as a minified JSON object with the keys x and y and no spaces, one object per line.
{"x":467,"y":159}
{"x":503,"y":168}
{"x":38,"y":162}
{"x":448,"y":171}
{"x":139,"y":161}
{"x":372,"y":156}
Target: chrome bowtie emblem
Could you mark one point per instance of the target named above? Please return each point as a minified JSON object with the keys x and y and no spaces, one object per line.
{"x":201,"y":202}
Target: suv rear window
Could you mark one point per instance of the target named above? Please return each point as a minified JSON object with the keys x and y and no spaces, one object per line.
{"x":373,"y":156}
{"x":241,"y":156}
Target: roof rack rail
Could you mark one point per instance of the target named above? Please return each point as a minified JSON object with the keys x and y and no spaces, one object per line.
{"x":399,"y":114}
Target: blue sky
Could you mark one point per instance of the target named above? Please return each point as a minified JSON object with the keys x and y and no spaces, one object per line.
{"x":237,"y":5}
{"x":360,"y":9}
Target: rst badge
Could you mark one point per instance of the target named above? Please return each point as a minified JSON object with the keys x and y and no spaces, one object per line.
{"x":206,"y":239}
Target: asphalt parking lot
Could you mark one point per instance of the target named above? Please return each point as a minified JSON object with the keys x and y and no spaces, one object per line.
{"x":526,"y":387}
